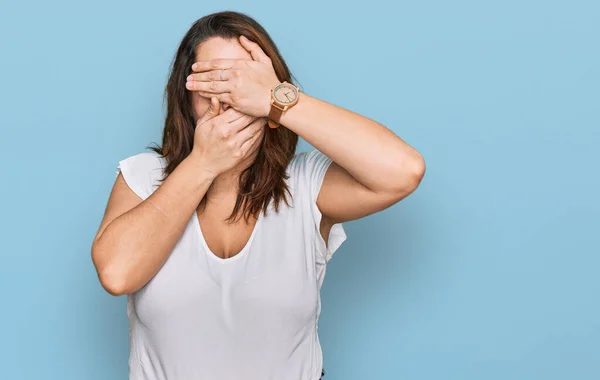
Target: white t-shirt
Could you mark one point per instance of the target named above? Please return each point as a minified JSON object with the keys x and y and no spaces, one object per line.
{"x":253,"y":316}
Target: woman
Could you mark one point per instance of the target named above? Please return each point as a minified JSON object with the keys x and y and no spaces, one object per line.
{"x":220,"y":238}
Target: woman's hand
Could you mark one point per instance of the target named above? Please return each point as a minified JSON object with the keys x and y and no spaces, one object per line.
{"x":245,"y":85}
{"x":223,"y":139}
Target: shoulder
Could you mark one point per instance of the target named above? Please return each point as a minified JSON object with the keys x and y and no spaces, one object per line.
{"x":143,"y":160}
{"x":142,"y":172}
{"x":308,"y":159}
{"x":307,"y":169}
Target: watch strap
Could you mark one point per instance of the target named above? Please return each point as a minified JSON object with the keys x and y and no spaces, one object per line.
{"x":274,"y":116}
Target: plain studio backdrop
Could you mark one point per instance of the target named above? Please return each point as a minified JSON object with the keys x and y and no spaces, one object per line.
{"x":489,"y":271}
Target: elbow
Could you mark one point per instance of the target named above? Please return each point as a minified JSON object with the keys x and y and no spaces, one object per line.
{"x":411,"y":176}
{"x":110,"y":279}
{"x":113,"y":284}
{"x":418,"y":171}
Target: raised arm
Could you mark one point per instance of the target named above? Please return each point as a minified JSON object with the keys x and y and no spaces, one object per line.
{"x":372,"y":167}
{"x":136,"y":236}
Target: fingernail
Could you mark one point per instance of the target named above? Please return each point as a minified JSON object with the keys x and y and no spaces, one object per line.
{"x":188,"y":84}
{"x":189,"y":77}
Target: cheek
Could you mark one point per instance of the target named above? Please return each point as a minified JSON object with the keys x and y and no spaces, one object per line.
{"x":199,"y":105}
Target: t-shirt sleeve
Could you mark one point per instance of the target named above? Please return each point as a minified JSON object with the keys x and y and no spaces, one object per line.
{"x":314,"y":165}
{"x":141,"y":172}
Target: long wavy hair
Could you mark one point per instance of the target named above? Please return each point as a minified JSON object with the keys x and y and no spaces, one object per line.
{"x":264,"y":180}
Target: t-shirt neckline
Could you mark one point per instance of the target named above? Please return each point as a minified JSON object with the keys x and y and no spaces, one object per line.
{"x":235,"y":257}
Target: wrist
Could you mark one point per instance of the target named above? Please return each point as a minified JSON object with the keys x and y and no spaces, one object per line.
{"x":203,"y":171}
{"x":291,"y":114}
{"x":282,"y":101}
{"x":267,"y":109}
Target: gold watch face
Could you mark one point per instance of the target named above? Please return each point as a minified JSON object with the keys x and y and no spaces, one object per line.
{"x":285,"y":93}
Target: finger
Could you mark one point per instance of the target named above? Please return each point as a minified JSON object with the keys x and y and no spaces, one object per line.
{"x":257,"y":53}
{"x":208,"y":76}
{"x":213,"y":64}
{"x":228,"y":116}
{"x":240,"y":124}
{"x":253,"y":142}
{"x":247,"y":133}
{"x":214,"y":109}
{"x":223,"y":97}
{"x":214,"y":87}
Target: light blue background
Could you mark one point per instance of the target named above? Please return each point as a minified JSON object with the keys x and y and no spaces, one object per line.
{"x":488,"y":271}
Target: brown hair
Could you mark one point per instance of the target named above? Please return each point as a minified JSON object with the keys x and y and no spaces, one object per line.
{"x":262,"y":181}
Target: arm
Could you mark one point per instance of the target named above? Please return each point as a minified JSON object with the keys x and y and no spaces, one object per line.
{"x":372,"y":169}
{"x":136,"y":236}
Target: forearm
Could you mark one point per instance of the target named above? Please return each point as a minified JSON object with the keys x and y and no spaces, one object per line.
{"x":370,"y":152}
{"x":134,"y":246}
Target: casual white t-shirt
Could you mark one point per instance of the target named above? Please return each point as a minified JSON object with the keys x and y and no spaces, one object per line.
{"x":253,"y":316}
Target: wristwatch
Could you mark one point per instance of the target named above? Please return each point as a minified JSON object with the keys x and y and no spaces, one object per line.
{"x":283,"y":97}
